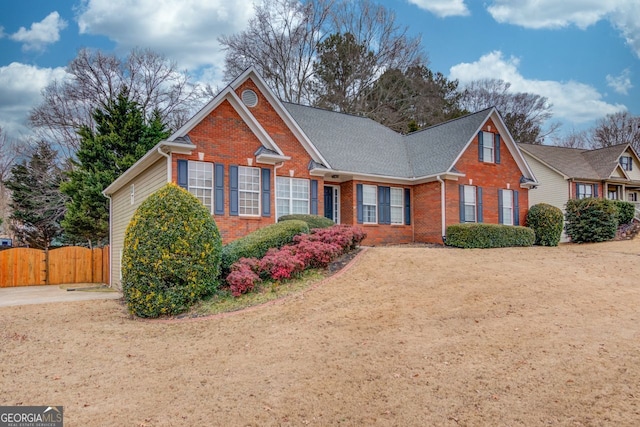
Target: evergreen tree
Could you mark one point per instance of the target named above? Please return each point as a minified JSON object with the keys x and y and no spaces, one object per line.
{"x":36,"y":202}
{"x":121,"y":137}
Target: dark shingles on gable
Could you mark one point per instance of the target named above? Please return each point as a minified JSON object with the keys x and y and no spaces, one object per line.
{"x":361,"y":145}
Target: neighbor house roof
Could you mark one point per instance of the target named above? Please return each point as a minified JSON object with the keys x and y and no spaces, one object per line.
{"x":577,"y":162}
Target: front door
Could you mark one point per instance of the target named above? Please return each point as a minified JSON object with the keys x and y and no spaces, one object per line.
{"x":331,"y":203}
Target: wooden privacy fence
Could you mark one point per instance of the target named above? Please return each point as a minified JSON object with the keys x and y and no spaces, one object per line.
{"x":69,"y":264}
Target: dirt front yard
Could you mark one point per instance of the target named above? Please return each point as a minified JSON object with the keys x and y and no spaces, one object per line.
{"x":408,"y":336}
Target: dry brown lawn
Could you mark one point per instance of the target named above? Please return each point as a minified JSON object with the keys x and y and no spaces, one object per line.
{"x":408,"y":336}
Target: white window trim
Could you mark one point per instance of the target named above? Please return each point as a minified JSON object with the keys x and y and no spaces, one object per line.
{"x":490,"y":144}
{"x":190,"y":187}
{"x":474,"y":204}
{"x":258,"y":191}
{"x":290,"y":198}
{"x":375,"y":205}
{"x":400,"y":206}
{"x":507,"y":219}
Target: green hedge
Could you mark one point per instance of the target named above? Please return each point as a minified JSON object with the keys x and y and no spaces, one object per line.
{"x":626,"y":212}
{"x":171,"y":256}
{"x":488,"y":236}
{"x":256,"y":244}
{"x":591,"y":220}
{"x":314,"y":221}
{"x":546,"y":221}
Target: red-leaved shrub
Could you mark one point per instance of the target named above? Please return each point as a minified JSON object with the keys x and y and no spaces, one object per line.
{"x":243,"y":277}
{"x":317,"y":254}
{"x":281,"y":263}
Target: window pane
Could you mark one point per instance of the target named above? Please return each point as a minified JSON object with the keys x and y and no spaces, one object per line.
{"x":300,"y":207}
{"x":249,"y":194}
{"x":201,"y":181}
{"x":396,"y":196}
{"x":507,"y":198}
{"x":369,"y":213}
{"x":396,"y":215}
{"x":487,"y":146}
{"x":368,"y":194}
{"x":469,"y":213}
{"x":507,"y":217}
{"x":470,"y":194}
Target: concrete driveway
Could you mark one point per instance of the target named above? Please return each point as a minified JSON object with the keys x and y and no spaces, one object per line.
{"x":53,"y":293}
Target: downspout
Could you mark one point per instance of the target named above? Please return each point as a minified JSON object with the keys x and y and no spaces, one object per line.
{"x":169,"y":168}
{"x":443,"y":206}
{"x":110,"y":239}
{"x":275,"y":205}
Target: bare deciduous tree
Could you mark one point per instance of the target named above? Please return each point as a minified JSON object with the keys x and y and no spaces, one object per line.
{"x":617,"y":128}
{"x":8,"y":156}
{"x":94,"y":77}
{"x":281,"y":42}
{"x":574,"y":139}
{"x":525,"y":114}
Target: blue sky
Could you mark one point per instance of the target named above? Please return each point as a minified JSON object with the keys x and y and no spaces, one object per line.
{"x":583,"y":55}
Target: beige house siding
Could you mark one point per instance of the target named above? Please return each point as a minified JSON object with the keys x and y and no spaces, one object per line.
{"x":149,"y":181}
{"x":553,"y":190}
{"x":634,"y":173}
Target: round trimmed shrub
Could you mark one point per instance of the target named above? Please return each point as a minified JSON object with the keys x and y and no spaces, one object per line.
{"x":171,"y":255}
{"x":314,"y":221}
{"x":591,"y":220}
{"x":626,"y":211}
{"x":546,"y":221}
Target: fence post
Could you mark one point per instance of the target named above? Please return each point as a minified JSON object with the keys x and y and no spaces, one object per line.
{"x":46,"y":266}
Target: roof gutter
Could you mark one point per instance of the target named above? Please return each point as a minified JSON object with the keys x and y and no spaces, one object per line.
{"x":169,"y":168}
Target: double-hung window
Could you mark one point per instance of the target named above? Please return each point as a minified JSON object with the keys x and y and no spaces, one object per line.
{"x":249,"y":191}
{"x":488,"y":147}
{"x":292,"y":196}
{"x":584,"y":191}
{"x":626,"y":163}
{"x":507,"y":207}
{"x":397,"y":205}
{"x":369,"y":204}
{"x":469,"y":203}
{"x":200,"y":182}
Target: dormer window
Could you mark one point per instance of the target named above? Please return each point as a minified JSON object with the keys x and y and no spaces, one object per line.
{"x":626,"y":163}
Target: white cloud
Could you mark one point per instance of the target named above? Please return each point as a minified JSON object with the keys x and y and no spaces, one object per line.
{"x":623,"y":14}
{"x":20,"y":90}
{"x":443,"y":8}
{"x":622,"y":83}
{"x":185,"y":30}
{"x":41,"y":33}
{"x":572,"y":101}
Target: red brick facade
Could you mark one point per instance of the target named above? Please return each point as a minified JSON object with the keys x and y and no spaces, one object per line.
{"x":223,"y":137}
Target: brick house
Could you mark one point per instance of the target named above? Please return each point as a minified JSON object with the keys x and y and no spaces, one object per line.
{"x":251,"y":158}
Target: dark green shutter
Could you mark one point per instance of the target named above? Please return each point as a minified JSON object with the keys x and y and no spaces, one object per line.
{"x":497,"y":148}
{"x":266,"y":192}
{"x":233,"y":190}
{"x":219,"y":189}
{"x":480,"y":147}
{"x":407,"y":206}
{"x":576,"y":191}
{"x":359,"y":203}
{"x":183,"y":174}
{"x":479,"y":205}
{"x":461,"y":188}
{"x":516,"y":208}
{"x":500,"y":206}
{"x":314,"y":197}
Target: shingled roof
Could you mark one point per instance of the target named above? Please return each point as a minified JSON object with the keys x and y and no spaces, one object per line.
{"x":576,"y":162}
{"x":361,"y":145}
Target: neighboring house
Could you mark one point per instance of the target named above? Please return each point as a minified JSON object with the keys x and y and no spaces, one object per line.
{"x":251,"y":158}
{"x":570,"y":173}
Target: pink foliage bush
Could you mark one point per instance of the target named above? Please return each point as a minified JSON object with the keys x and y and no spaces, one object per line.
{"x":243,"y":277}
{"x":281,"y":263}
{"x":315,"y":250}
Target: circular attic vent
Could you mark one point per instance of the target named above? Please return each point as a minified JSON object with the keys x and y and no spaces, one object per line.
{"x":249,"y":98}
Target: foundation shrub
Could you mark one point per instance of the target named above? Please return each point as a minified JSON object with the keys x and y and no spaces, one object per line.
{"x":280,"y":264}
{"x":591,"y":220}
{"x":243,"y":277}
{"x":626,"y":211}
{"x":489,"y":236}
{"x":546,"y":221}
{"x":256,"y":244}
{"x":313,"y":221}
{"x":171,"y":256}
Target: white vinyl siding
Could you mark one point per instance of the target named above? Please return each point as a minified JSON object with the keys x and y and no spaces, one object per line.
{"x":148,"y":182}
